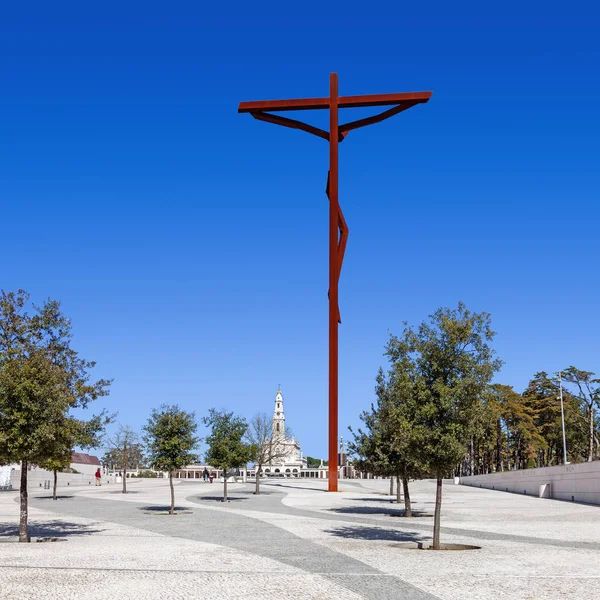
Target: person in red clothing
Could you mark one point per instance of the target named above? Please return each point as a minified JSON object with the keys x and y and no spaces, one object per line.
{"x":98,"y":477}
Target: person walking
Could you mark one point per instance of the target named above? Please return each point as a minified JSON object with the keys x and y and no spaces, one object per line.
{"x":205,"y":474}
{"x":98,"y":477}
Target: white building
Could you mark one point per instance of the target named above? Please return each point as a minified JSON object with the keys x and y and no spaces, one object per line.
{"x":87,"y":464}
{"x":292,"y":463}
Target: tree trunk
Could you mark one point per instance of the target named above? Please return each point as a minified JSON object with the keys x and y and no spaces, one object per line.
{"x":224,"y":485}
{"x":472,"y":458}
{"x":55,"y":484}
{"x":23,"y":537}
{"x":257,"y":486}
{"x":591,"y":443}
{"x":499,"y":446}
{"x":407,"y":505}
{"x":125,"y":469}
{"x":398,"y":490}
{"x":172,"y":509}
{"x":438,"y":510}
{"x":391,"y":485}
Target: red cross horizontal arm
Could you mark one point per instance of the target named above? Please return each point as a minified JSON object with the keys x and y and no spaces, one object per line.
{"x":262,"y":110}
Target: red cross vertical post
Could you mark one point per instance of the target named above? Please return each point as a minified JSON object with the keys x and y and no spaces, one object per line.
{"x":338,"y":231}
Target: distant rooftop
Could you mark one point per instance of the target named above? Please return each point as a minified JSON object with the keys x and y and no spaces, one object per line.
{"x":79,"y":458}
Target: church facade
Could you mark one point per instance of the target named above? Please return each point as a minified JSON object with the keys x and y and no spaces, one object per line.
{"x":289,"y":461}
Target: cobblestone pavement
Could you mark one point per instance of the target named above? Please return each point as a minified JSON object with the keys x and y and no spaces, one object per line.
{"x":296,"y":541}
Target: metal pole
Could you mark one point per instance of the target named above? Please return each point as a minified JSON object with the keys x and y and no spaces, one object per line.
{"x":333,"y":281}
{"x":562,"y":417}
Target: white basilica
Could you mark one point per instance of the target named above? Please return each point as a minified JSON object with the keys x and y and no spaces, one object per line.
{"x":291,"y":463}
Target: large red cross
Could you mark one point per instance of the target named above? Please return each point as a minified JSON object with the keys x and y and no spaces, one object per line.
{"x":338,"y":230}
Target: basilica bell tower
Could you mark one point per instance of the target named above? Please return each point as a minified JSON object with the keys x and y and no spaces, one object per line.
{"x":278,"y":416}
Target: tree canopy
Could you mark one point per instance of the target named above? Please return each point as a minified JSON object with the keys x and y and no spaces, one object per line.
{"x":227,"y":445}
{"x":171,"y":441}
{"x":443,"y":368}
{"x":41,"y":378}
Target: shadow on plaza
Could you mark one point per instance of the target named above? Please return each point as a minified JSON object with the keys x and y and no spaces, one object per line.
{"x":377,"y":510}
{"x":49,"y":529}
{"x":387,"y":498}
{"x":295,"y":487}
{"x":220,"y":498}
{"x":374,"y":533}
{"x":51,"y":498}
{"x":165,"y":508}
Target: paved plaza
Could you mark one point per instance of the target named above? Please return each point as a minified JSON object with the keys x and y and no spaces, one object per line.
{"x":296,"y":541}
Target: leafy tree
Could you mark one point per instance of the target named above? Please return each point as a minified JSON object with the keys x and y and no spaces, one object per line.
{"x":124,"y":451}
{"x":518,"y":431}
{"x":147,"y":474}
{"x":387,"y":446}
{"x":41,"y":379}
{"x":398,"y":409}
{"x":371,"y":451}
{"x":314,"y":463}
{"x":268,"y":446}
{"x":450,"y":363}
{"x":519,"y":426}
{"x":588,"y":393}
{"x":170,"y":438}
{"x":541,"y":399}
{"x":227,"y":445}
{"x":69,"y":433}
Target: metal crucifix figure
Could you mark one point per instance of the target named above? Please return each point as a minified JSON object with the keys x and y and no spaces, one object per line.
{"x":338,"y":231}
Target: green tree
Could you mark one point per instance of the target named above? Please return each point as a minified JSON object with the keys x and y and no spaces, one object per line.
{"x":69,"y":433}
{"x":171,"y":441}
{"x":370,"y":451}
{"x":386,"y":446}
{"x":450,"y":364}
{"x":41,"y":379}
{"x":398,"y":410}
{"x":520,"y":432}
{"x":227,"y":445}
{"x":588,"y":392}
{"x":124,"y":451}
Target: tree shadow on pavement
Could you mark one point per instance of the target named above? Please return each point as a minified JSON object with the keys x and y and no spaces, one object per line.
{"x":386,"y":498}
{"x":49,"y":529}
{"x":220,"y":498}
{"x":374,"y":533}
{"x":376,"y":510}
{"x":297,"y":487}
{"x":155,"y":508}
{"x":382,"y":498}
{"x":50,"y":497}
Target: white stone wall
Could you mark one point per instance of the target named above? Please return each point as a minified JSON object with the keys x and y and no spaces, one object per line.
{"x":37,"y":477}
{"x":576,"y":483}
{"x":85,"y":469}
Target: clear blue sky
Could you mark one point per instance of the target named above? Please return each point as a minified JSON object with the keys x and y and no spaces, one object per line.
{"x":189,"y":243}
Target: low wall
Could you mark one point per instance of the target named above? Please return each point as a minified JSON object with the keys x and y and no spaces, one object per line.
{"x":575,"y":483}
{"x":37,"y":477}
